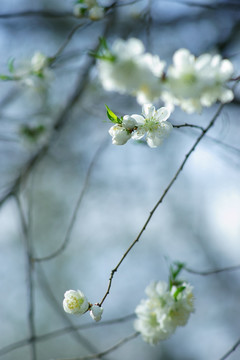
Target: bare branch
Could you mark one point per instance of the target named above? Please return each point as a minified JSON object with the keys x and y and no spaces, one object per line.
{"x":30,"y":286}
{"x":204,"y":132}
{"x":60,"y":332}
{"x":212,"y":272}
{"x":75,"y":211}
{"x":38,"y":13}
{"x":231,"y":350}
{"x":109,"y":350}
{"x":189,"y":125}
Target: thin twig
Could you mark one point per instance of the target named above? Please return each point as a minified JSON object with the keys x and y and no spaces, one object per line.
{"x":215,"y":6}
{"x":161,"y":198}
{"x":109,"y":350}
{"x":68,"y":39}
{"x":75,"y":211}
{"x":212,"y":272}
{"x":231,"y":350}
{"x":189,"y":125}
{"x":30,"y":286}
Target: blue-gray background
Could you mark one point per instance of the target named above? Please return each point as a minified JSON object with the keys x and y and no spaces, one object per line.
{"x":198,"y":222}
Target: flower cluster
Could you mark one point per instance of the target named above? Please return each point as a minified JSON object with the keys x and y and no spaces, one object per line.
{"x":163,"y":311}
{"x":130,"y":70}
{"x":75,"y":302}
{"x":189,"y":82}
{"x":151,"y":124}
{"x":196,"y":82}
{"x":89,"y":8}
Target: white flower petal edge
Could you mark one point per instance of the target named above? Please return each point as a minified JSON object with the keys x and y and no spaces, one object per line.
{"x":96,"y":312}
{"x":75,"y":302}
{"x":160,"y":314}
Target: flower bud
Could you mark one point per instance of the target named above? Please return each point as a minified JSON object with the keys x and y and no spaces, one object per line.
{"x":75,"y":302}
{"x":96,"y":312}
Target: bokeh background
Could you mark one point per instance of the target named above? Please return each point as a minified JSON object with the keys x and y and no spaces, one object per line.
{"x":198,"y":223}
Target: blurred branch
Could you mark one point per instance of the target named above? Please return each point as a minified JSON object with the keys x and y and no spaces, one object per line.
{"x":56,"y":333}
{"x":204,"y":132}
{"x":231,"y":350}
{"x":230,"y":5}
{"x":40,"y":13}
{"x":109,"y":350}
{"x":30,"y":287}
{"x":59,"y":310}
{"x":97,"y":154}
{"x":66,"y":330}
{"x":60,"y":121}
{"x":69,"y":38}
{"x":212,"y":272}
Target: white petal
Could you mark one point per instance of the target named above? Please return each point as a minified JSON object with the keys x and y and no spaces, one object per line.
{"x":129,"y":122}
{"x":139,"y":119}
{"x":148,"y":110}
{"x":138,"y":134}
{"x":183,"y":58}
{"x":162,"y":114}
{"x":226,"y":96}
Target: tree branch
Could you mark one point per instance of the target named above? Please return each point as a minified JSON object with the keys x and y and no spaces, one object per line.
{"x":161,"y":198}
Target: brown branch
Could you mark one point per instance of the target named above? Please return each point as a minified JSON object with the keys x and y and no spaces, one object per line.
{"x":161,"y":198}
{"x":189,"y":125}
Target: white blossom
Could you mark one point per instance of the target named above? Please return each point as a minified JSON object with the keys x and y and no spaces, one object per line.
{"x":132,"y":71}
{"x":160,"y":314}
{"x":152,"y":124}
{"x":96,"y":13}
{"x":121,"y":133}
{"x":75,"y":302}
{"x":38,"y":62}
{"x":96,"y":312}
{"x":196,"y":82}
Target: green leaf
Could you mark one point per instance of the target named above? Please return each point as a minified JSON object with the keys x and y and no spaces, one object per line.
{"x":112,"y":117}
{"x":178,"y":291}
{"x":6,"y":77}
{"x":32,"y":133}
{"x":102,"y":52}
{"x":11,"y":65}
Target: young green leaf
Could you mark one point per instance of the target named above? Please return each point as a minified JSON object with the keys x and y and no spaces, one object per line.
{"x":178,"y":291}
{"x":113,"y":117}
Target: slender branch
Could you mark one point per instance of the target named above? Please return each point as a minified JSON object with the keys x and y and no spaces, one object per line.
{"x":68,"y":39}
{"x":75,"y":211}
{"x":212,"y":272}
{"x":188,"y":125}
{"x":162,"y":197}
{"x":40,"y":13}
{"x":215,"y":6}
{"x":231,"y":350}
{"x":28,"y":250}
{"x":61,"y":119}
{"x":109,"y":350}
